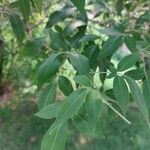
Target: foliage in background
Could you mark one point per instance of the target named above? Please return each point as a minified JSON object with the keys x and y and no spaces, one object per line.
{"x":86,"y":35}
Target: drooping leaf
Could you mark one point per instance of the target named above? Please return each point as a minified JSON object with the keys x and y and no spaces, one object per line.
{"x":80,"y":63}
{"x":138,"y":97}
{"x":24,"y":6}
{"x":65,"y":85}
{"x":136,"y":74}
{"x":59,"y":16}
{"x":56,"y":140}
{"x":128,"y":61}
{"x":121,"y":93}
{"x":49,"y":68}
{"x":17,"y":26}
{"x":110,"y":46}
{"x":47,"y":96}
{"x":83,"y":80}
{"x":80,"y":4}
{"x":70,"y":107}
{"x":49,"y":111}
{"x":130,"y":43}
{"x":32,"y":47}
{"x":58,"y":41}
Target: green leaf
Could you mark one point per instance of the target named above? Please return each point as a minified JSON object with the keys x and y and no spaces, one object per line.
{"x":59,"y":16}
{"x":47,"y":95}
{"x":70,"y":107}
{"x":89,"y":37}
{"x":56,"y":140}
{"x":119,"y":6}
{"x":121,"y":93}
{"x":65,"y":85}
{"x":58,"y":41}
{"x":24,"y":6}
{"x":83,"y":80}
{"x":38,"y":4}
{"x":17,"y":26}
{"x":49,"y":111}
{"x":80,"y":63}
{"x":32,"y":47}
{"x":49,"y":68}
{"x":110,"y":46}
{"x":80,"y":4}
{"x":136,"y":74}
{"x":138,"y":97}
{"x":130,"y":43}
{"x":128,"y":61}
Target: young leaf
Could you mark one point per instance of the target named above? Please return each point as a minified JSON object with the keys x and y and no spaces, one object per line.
{"x":50,"y":111}
{"x":65,"y":85}
{"x":32,"y":47}
{"x":24,"y":6}
{"x":83,"y":80}
{"x":130,"y":43}
{"x":56,"y":140}
{"x":47,"y":95}
{"x":38,"y":4}
{"x":49,"y":68}
{"x":70,"y":107}
{"x":136,"y":74}
{"x":128,"y":61}
{"x":59,"y":16}
{"x":138,"y":97}
{"x":17,"y":26}
{"x":58,"y":41}
{"x":110,"y":46}
{"x":80,"y":63}
{"x":121,"y":93}
{"x":80,"y":4}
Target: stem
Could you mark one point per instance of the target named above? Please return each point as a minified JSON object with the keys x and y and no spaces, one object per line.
{"x":105,"y":102}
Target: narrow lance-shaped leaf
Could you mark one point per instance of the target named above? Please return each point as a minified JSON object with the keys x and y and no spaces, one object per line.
{"x":47,"y":95}
{"x":50,"y":111}
{"x":24,"y":6}
{"x":58,"y":41}
{"x":138,"y":97}
{"x":80,"y":63}
{"x":128,"y":61}
{"x":65,"y":85}
{"x":80,"y":4}
{"x":49,"y":68}
{"x":110,"y":46}
{"x":56,"y":140}
{"x":121,"y":93}
{"x":17,"y":26}
{"x":70,"y":107}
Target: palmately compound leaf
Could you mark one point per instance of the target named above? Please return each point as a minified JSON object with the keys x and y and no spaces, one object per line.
{"x":58,"y":41}
{"x":49,"y":68}
{"x":121,"y":93}
{"x":80,"y":4}
{"x":65,"y":85}
{"x":128,"y":61}
{"x":80,"y":63}
{"x":47,"y":95}
{"x":110,"y":46}
{"x":138,"y":97}
{"x":57,"y":139}
{"x":17,"y":26}
{"x":49,"y":111}
{"x":83,"y":80}
{"x":70,"y":107}
{"x":24,"y":6}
